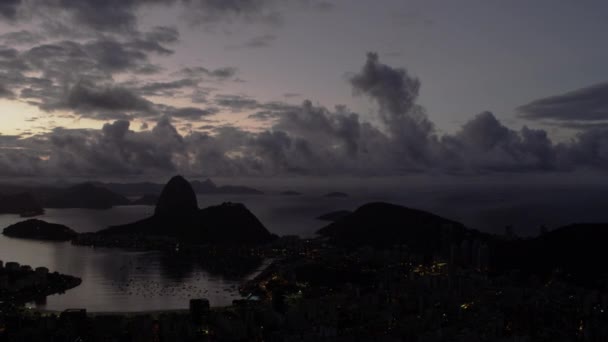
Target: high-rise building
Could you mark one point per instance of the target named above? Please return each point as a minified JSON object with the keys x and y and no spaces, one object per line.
{"x":199,"y":310}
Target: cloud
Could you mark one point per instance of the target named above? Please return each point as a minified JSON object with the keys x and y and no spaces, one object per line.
{"x":213,"y":11}
{"x":113,"y":150}
{"x":85,"y":97}
{"x":395,"y":93}
{"x":191,"y":113}
{"x":6,"y":93}
{"x":305,"y":139}
{"x":20,"y":37}
{"x":589,"y":148}
{"x":236,"y":102}
{"x":167,"y":88}
{"x":260,"y":41}
{"x":80,"y":76}
{"x":91,"y":17}
{"x":9,"y":8}
{"x":202,"y":73}
{"x":162,"y":34}
{"x":586,"y":104}
{"x":485,"y":145}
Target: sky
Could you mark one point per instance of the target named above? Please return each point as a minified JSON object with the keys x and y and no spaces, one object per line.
{"x":249,"y":88}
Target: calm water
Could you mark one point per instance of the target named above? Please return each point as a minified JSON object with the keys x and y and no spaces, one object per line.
{"x":118,"y":280}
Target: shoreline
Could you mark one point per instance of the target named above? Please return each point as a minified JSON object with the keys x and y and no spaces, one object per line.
{"x":127,"y":313}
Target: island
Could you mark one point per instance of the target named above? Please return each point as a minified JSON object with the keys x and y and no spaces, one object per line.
{"x":39,"y":230}
{"x":177,"y":219}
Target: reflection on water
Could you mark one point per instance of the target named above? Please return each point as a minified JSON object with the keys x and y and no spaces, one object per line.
{"x":118,"y":280}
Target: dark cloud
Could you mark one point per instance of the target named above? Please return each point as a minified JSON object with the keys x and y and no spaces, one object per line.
{"x":202,"y":73}
{"x":9,"y":8}
{"x":304,"y":139}
{"x":114,"y":56}
{"x":82,"y":17}
{"x":262,"y":116}
{"x":6,"y":93}
{"x":167,"y":88}
{"x":162,"y":34}
{"x":236,"y":102}
{"x":113,"y":150}
{"x":20,"y":37}
{"x":589,"y":148}
{"x":191,"y":112}
{"x":80,"y":76}
{"x":484,"y":145}
{"x":113,"y":15}
{"x":260,"y":41}
{"x":88,"y":98}
{"x":578,"y":125}
{"x":590,"y":103}
{"x":395,"y":93}
{"x":212,"y":11}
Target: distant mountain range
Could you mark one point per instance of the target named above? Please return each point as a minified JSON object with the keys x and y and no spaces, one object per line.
{"x":86,"y":195}
{"x":200,"y":187}
{"x":30,"y":200}
{"x":23,"y":204}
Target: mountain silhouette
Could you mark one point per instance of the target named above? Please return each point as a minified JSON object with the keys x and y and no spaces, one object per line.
{"x":177,"y":199}
{"x":177,"y":215}
{"x":86,"y":195}
{"x":383,"y":225}
{"x":205,"y":187}
{"x":23,"y":204}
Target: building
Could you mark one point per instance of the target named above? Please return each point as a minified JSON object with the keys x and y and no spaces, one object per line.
{"x":199,"y":310}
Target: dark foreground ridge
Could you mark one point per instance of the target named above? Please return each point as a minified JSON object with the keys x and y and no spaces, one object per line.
{"x":40,"y":230}
{"x":576,"y":251}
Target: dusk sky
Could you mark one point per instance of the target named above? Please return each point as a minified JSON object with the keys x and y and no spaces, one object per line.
{"x":302,"y":87}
